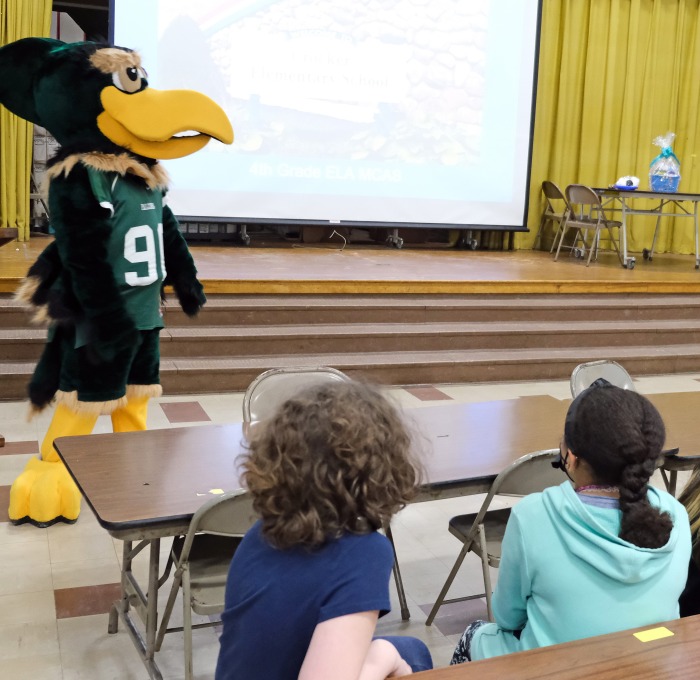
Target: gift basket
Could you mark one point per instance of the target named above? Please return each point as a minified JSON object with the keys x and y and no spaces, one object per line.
{"x":665,"y":169}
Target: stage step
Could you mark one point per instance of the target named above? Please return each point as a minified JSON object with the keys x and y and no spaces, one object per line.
{"x":241,"y":341}
{"x":265,"y":310}
{"x":398,"y":339}
{"x":197,"y":375}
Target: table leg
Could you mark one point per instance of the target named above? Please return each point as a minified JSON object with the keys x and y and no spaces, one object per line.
{"x":656,"y":234}
{"x":623,"y":237}
{"x":123,"y":603}
{"x":145,"y":604}
{"x":152,"y":598}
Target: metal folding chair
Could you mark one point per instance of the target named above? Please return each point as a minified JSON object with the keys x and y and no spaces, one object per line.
{"x":202,"y":559}
{"x":586,"y":214}
{"x":272,"y":388}
{"x":482,"y":532}
{"x":587,"y":373}
{"x":556,"y":209}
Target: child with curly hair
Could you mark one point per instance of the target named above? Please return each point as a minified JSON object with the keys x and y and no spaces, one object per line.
{"x":600,"y":553}
{"x":310,"y":579}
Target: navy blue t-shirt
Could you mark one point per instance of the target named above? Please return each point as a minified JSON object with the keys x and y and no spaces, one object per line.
{"x":275,"y":598}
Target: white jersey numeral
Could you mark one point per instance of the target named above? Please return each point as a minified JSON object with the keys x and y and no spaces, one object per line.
{"x":152,"y":254}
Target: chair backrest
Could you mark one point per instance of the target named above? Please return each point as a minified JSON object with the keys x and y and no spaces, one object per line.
{"x":530,"y":473}
{"x":228,"y":514}
{"x":584,"y":203}
{"x":585,"y":374}
{"x":553,"y":193}
{"x":580,"y":194}
{"x":272,"y":388}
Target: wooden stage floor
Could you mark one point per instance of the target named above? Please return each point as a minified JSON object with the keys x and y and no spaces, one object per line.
{"x":377,"y":269}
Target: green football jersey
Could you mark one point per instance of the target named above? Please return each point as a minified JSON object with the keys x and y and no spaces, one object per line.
{"x":135,"y":248}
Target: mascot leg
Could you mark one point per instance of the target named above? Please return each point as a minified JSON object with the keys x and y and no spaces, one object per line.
{"x":45,"y":493}
{"x":131,"y":417}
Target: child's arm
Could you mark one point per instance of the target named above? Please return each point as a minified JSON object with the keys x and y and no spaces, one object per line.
{"x":512,"y":590}
{"x":342,"y":649}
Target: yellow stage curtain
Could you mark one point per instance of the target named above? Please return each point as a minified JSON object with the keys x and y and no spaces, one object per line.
{"x":18,"y":19}
{"x":614,"y":74}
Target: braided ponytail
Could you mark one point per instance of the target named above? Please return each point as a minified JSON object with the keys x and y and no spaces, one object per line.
{"x":621,"y":435}
{"x":642,"y":524}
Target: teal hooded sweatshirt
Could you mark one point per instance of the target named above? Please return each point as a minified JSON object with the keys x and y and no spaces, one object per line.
{"x":565,"y":574}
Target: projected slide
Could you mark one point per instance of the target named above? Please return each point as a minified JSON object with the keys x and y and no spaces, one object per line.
{"x":357,"y":111}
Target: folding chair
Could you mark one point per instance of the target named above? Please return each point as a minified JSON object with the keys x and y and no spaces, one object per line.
{"x":587,"y":373}
{"x":556,"y":209}
{"x":586,"y":214}
{"x":482,"y":532}
{"x":202,"y":559}
{"x":272,"y":388}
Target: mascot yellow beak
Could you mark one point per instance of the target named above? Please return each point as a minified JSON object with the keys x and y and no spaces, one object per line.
{"x":151,"y":123}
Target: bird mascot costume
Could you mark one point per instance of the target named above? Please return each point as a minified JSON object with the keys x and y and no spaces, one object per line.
{"x":98,"y":285}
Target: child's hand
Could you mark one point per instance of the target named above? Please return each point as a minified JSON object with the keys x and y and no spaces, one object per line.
{"x":402,"y":669}
{"x":384,"y":661}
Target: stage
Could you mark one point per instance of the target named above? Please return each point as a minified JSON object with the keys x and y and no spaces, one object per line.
{"x":289,"y":268}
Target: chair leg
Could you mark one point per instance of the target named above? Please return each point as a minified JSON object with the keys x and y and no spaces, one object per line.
{"x":448,"y":583}
{"x":556,"y":236}
{"x":538,"y":237}
{"x":177,"y":579}
{"x":486,"y":571}
{"x":405,"y":613}
{"x":187,"y":623}
{"x":592,"y":248}
{"x":617,"y":249}
{"x":561,"y":240}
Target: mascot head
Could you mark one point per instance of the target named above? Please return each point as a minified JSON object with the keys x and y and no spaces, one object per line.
{"x":93,"y":97}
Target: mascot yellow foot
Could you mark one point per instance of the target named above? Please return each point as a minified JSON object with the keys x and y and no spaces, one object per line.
{"x":44,"y":494}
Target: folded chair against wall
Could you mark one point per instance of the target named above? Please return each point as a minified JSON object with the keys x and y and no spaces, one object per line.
{"x":586,"y":215}
{"x":556,"y":208}
{"x":202,"y":559}
{"x":482,"y":532}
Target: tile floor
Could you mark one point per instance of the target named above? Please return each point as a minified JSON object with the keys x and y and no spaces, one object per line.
{"x":57,"y":584}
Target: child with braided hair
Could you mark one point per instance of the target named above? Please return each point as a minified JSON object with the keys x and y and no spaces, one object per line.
{"x":602,"y":552}
{"x":690,"y":599}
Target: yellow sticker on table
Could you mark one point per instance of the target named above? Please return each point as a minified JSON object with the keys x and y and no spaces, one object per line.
{"x":653,"y":634}
{"x":216,"y":492}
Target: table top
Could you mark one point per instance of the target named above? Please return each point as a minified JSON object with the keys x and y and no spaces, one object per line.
{"x":681,"y":415}
{"x":616,"y":656}
{"x":155,"y":476}
{"x":162,"y":476}
{"x":472,"y":441}
{"x":641,"y":193}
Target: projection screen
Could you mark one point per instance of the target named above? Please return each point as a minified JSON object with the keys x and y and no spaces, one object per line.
{"x":360,"y":112}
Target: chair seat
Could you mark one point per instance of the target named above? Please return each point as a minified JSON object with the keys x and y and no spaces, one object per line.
{"x":494,"y":528}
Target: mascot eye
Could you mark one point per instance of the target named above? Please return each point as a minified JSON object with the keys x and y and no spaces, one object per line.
{"x":129,"y":79}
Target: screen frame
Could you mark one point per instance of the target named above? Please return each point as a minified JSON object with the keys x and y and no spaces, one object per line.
{"x":387,"y":224}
